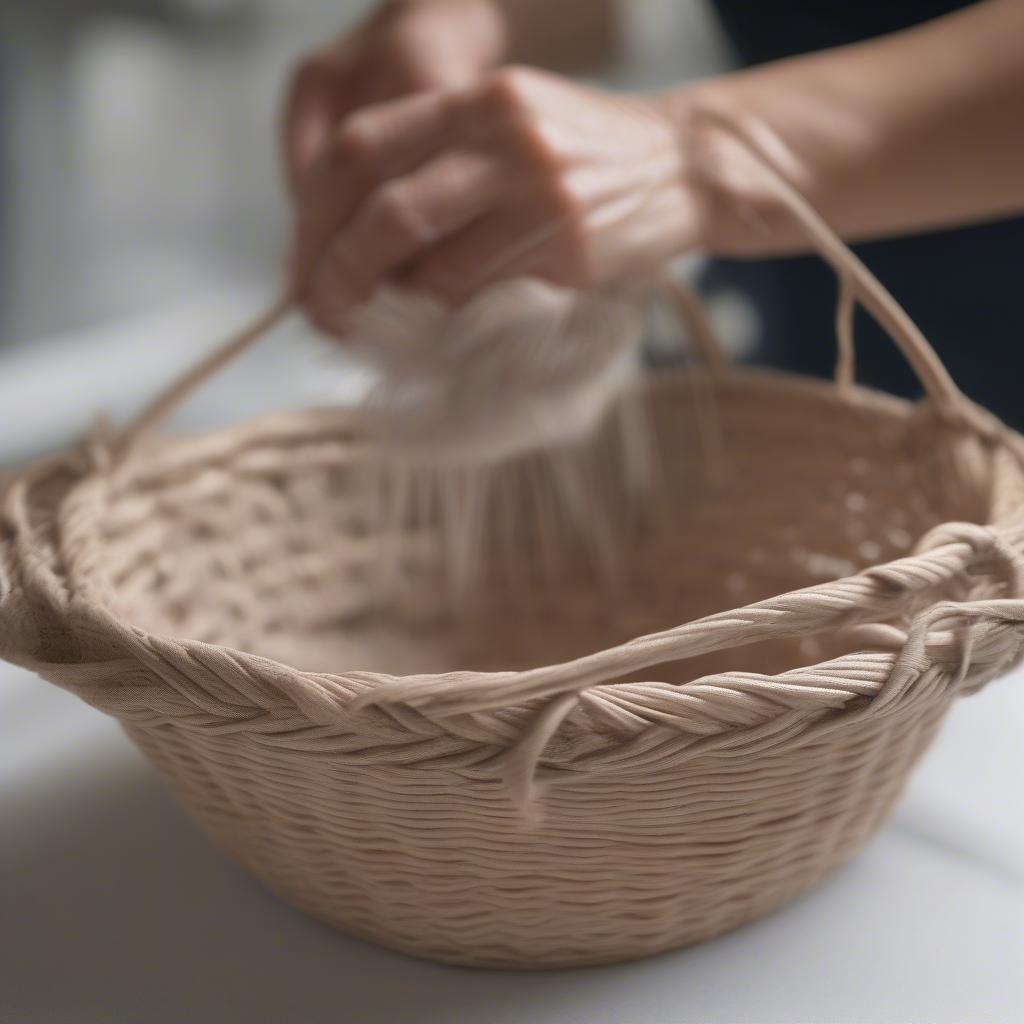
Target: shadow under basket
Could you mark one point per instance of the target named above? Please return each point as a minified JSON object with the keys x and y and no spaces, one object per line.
{"x":556,"y":773}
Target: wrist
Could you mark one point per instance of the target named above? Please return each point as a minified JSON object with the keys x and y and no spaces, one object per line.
{"x":704,"y":120}
{"x":812,"y":124}
{"x":728,"y":126}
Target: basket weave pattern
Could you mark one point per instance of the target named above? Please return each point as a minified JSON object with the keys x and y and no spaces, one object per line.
{"x":560,"y":773}
{"x":511,"y":819}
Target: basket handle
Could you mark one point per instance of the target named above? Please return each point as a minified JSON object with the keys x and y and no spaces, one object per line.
{"x":159,"y":408}
{"x":691,"y":313}
{"x":857,"y":283}
{"x":689,"y":307}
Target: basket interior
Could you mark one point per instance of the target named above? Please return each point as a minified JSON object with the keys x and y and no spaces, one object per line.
{"x":769,"y":484}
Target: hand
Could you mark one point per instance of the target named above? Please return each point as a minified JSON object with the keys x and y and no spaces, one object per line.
{"x":524,"y":174}
{"x":406,"y":46}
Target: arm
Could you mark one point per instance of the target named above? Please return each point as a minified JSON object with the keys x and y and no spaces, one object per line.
{"x":528,"y":173}
{"x":911,"y":131}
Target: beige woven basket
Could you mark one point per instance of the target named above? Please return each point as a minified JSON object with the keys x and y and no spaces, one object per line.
{"x":549,"y":777}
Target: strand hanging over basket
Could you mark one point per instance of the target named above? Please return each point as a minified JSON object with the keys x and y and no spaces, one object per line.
{"x":523,"y":400}
{"x":516,"y":413}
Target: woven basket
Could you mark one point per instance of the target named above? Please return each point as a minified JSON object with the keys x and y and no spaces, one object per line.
{"x":550,"y":777}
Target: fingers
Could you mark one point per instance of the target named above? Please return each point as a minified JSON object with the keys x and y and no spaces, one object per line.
{"x":372,"y":146}
{"x":397,"y":223}
{"x":450,"y":191}
{"x":316,"y":103}
{"x":508,"y":242}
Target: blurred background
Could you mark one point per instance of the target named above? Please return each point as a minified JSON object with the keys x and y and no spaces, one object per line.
{"x":142,"y":217}
{"x":141,"y":208}
{"x":137,"y":149}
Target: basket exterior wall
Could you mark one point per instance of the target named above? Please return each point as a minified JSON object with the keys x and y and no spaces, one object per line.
{"x":396,"y":821}
{"x":434,"y":863}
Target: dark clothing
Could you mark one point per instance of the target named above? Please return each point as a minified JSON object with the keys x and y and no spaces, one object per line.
{"x":962,"y":286}
{"x":772,"y":29}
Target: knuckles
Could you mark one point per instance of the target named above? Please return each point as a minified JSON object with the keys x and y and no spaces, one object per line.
{"x":510,"y":111}
{"x":394,"y":211}
{"x":508,"y":104}
{"x":356,"y":141}
{"x":507,"y":90}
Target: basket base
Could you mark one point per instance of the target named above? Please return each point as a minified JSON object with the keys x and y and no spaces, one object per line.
{"x":570,"y":961}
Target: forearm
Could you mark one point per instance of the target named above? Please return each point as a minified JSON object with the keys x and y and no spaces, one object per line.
{"x":915,"y":130}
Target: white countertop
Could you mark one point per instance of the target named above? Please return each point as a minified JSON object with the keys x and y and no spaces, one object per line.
{"x":114,"y":908}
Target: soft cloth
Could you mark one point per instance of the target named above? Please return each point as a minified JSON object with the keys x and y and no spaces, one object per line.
{"x":522,"y":366}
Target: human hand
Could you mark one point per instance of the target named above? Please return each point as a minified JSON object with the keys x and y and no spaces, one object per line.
{"x":404,"y":47}
{"x":524,"y":174}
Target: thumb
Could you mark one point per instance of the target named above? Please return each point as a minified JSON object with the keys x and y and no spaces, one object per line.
{"x":315,"y":105}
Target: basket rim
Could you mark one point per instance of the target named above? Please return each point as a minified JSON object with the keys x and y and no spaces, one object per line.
{"x":703,"y":708}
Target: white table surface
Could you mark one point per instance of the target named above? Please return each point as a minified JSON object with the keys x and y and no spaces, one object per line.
{"x":114,"y":908}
